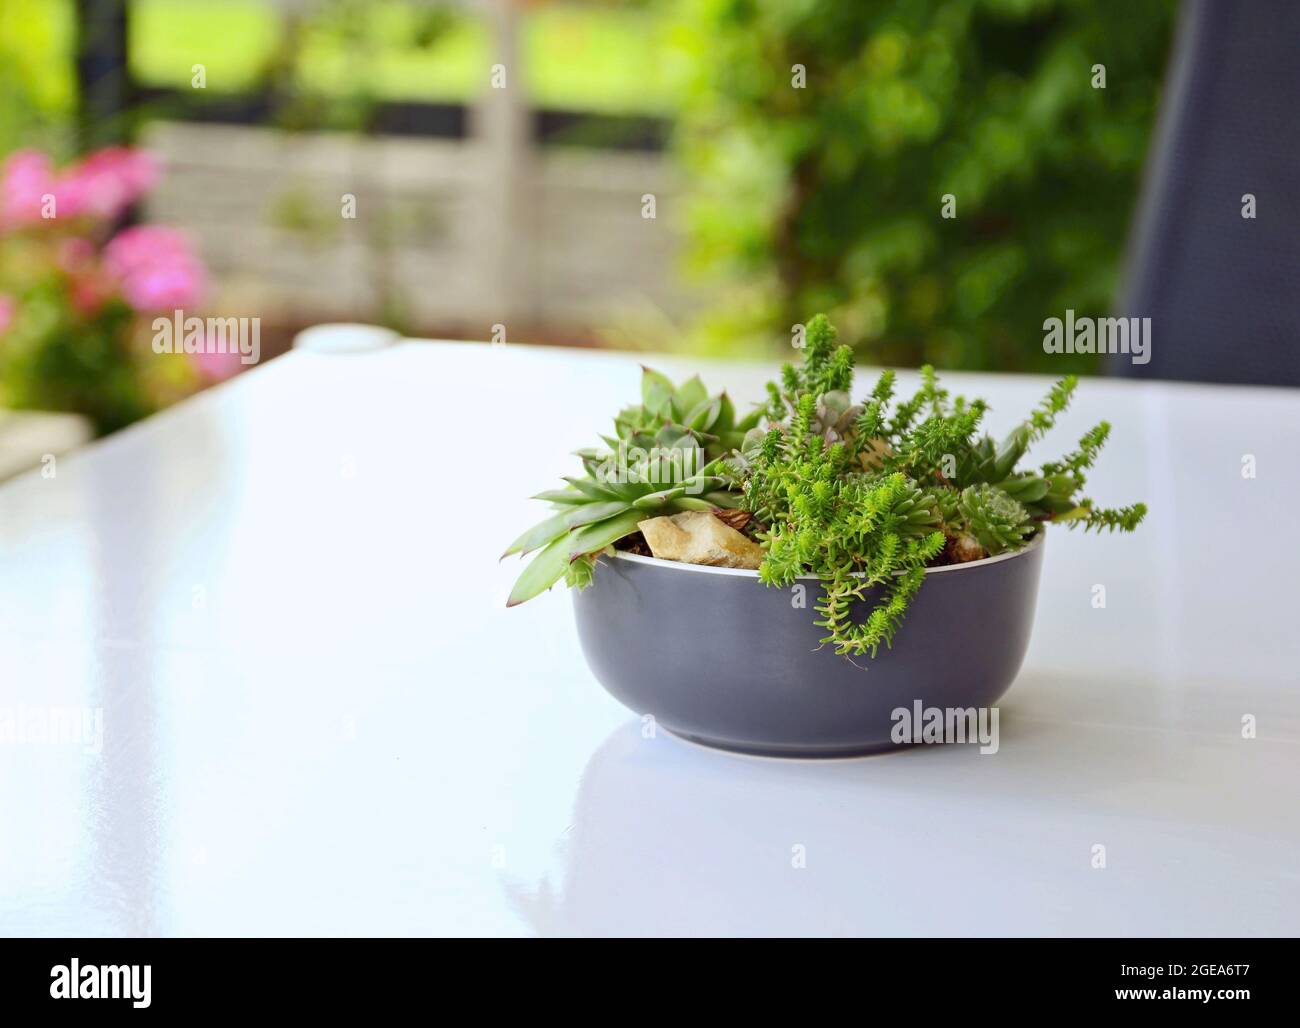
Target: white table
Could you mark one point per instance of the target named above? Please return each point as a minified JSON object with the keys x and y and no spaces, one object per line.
{"x":319,"y":718}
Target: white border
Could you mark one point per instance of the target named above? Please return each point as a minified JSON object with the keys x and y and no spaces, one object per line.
{"x":970,"y":565}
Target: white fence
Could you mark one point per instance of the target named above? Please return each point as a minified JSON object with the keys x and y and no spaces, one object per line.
{"x":442,"y":232}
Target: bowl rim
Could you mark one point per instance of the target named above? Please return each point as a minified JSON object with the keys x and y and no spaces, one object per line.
{"x":970,"y":565}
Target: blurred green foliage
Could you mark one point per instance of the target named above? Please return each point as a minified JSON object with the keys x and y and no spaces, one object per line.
{"x":57,"y":360}
{"x":37,"y":86}
{"x":829,"y":197}
{"x":585,"y":56}
{"x":826,"y":197}
{"x":606,"y":56}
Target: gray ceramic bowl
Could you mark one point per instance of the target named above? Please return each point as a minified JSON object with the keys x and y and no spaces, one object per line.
{"x":719,"y":658}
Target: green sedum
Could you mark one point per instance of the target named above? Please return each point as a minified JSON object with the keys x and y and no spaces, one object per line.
{"x":869,"y":496}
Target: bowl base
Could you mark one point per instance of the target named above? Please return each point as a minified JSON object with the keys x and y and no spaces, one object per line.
{"x":794,"y":752}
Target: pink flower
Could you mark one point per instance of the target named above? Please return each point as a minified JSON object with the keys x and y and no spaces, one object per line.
{"x":101,"y":186}
{"x":155,"y":268}
{"x":28,"y":177}
{"x":106,"y":183}
{"x":8,"y":309}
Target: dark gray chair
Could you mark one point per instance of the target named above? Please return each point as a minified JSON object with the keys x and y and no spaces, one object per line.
{"x":1223,"y":291}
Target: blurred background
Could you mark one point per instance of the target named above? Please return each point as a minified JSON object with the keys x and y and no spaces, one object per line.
{"x":685,"y":175}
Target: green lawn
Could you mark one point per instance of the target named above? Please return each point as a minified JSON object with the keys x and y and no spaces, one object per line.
{"x":574,"y":57}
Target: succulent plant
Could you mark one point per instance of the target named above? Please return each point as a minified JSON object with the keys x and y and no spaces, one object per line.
{"x":996,"y":520}
{"x":711,"y":418}
{"x":662,"y":459}
{"x":864,"y":496}
{"x":875,"y":502}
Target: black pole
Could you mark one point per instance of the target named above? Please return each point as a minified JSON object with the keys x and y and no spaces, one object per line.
{"x":104,"y":91}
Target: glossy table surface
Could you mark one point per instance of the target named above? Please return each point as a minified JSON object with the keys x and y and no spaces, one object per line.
{"x":283,"y":598}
